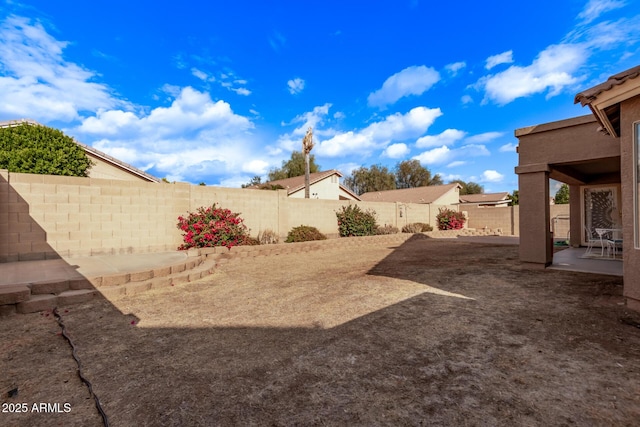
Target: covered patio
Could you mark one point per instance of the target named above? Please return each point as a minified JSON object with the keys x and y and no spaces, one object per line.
{"x":596,"y":155}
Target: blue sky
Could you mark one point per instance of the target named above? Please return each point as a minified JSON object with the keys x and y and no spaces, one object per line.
{"x":218,"y":92}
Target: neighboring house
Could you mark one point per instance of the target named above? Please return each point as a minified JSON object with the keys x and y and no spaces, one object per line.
{"x":448,"y":194}
{"x":104,"y":166}
{"x":322,"y":185}
{"x":485,"y":200}
{"x":597,"y":156}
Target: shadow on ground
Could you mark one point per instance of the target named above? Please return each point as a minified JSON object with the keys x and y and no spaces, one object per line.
{"x":522,"y":347}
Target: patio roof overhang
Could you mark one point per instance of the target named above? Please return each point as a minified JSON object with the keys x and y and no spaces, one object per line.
{"x":597,"y":171}
{"x":604,"y":99}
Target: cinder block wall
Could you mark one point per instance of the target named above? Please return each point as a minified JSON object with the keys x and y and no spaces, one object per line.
{"x":507,"y":219}
{"x":493,"y":218}
{"x":43,"y":216}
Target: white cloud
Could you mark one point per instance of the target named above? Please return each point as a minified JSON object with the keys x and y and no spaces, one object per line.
{"x":414,"y":80}
{"x":491,"y":176}
{"x":256,"y":167}
{"x":192,"y":137}
{"x":551,"y":71}
{"x":484,"y":137}
{"x":501,"y":58}
{"x":202,"y":75}
{"x":456,"y":163}
{"x":450,"y":177}
{"x":466,"y":99}
{"x":508,"y":148}
{"x":455,"y":67}
{"x":37,"y":82}
{"x":448,"y":137}
{"x":295,"y":85}
{"x":594,"y":8}
{"x":347,"y":168}
{"x":379,"y":134}
{"x":396,"y":151}
{"x":445,"y":155}
{"x":241,"y":91}
{"x":560,"y":67}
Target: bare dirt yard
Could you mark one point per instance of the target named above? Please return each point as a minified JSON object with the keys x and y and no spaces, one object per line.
{"x":432,"y":332}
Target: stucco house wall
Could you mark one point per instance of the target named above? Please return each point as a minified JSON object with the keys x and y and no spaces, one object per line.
{"x":327,"y":189}
{"x":629,"y":114}
{"x":585,"y":153}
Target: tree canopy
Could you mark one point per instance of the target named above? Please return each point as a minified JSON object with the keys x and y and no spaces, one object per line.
{"x":295,"y":166}
{"x":410,"y":174}
{"x":562,"y":195}
{"x":29,"y":148}
{"x":469,"y":187}
{"x":375,"y":178}
{"x":406,"y":174}
{"x":514,"y":198}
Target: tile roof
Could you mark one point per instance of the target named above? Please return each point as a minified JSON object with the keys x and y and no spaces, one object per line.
{"x":587,"y":96}
{"x":297,"y":182}
{"x":428,"y":194}
{"x":484,"y":197}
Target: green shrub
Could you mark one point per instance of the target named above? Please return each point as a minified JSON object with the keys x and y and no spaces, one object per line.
{"x":304,"y":233}
{"x":212,"y":226}
{"x":267,"y":237}
{"x":449,"y":219}
{"x":417,"y":227}
{"x":353,"y":221}
{"x":387,"y":229}
{"x":32,"y":148}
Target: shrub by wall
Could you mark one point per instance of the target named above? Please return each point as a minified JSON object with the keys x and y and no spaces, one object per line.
{"x":304,"y":233}
{"x":417,"y":227}
{"x":387,"y":229}
{"x":449,"y":219}
{"x":353,"y":221}
{"x":213,"y":226}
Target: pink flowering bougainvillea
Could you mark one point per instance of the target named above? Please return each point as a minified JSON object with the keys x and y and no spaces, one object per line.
{"x":212,"y":226}
{"x":449,"y":219}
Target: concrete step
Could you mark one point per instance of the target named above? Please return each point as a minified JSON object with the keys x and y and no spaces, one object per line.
{"x":46,"y":295}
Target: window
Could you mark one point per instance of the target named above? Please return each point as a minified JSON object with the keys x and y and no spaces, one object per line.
{"x":636,"y":184}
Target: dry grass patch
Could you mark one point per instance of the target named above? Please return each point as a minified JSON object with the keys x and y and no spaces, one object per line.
{"x":431,"y":332}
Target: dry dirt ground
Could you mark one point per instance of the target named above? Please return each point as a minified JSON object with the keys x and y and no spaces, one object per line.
{"x":432,"y":332}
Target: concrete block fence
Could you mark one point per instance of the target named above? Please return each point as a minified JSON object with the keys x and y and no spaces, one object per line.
{"x":44,"y":216}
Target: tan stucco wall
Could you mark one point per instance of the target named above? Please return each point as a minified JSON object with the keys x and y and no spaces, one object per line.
{"x":324,"y":189}
{"x":629,"y":113}
{"x":555,"y":143}
{"x":507,"y":219}
{"x":104,"y":170}
{"x":451,"y":197}
{"x":49,"y":216}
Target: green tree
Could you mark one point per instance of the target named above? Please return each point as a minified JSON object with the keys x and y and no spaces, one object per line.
{"x":295,"y":166}
{"x":375,"y":178}
{"x":29,"y":148}
{"x":469,"y":187}
{"x":562,"y":195}
{"x":256,"y":180}
{"x":514,"y":198}
{"x":410,"y":174}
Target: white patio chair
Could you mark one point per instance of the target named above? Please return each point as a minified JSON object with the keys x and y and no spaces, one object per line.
{"x":590,"y":240}
{"x":614,"y":243}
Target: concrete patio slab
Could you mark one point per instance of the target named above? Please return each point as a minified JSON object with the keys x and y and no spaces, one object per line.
{"x":571,"y":259}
